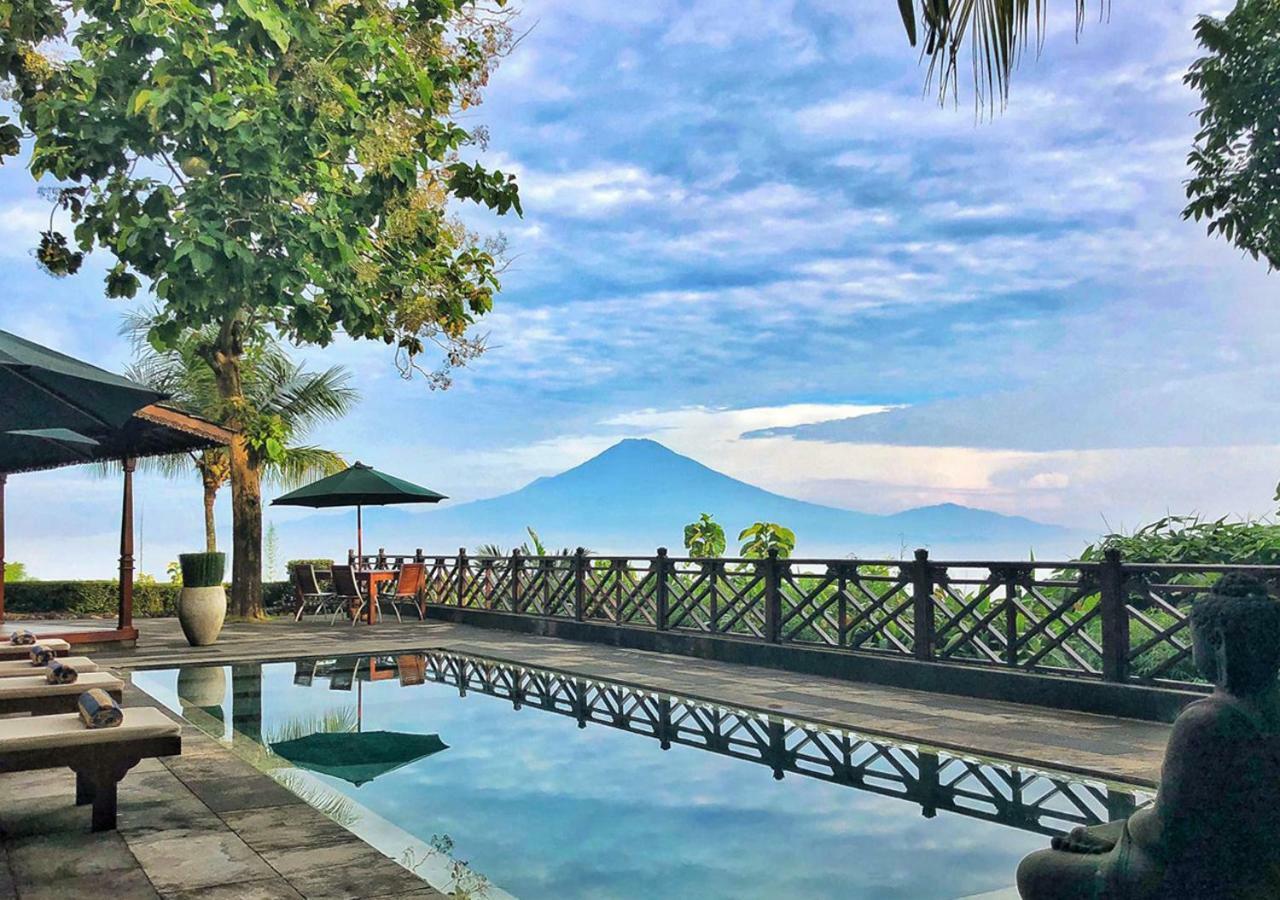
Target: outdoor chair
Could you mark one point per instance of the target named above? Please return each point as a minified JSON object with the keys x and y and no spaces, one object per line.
{"x":23,"y":651}
{"x":304,"y":673}
{"x":410,"y":581}
{"x":100,"y":757}
{"x":32,"y":694}
{"x":306,"y":589}
{"x":16,"y":668}
{"x":350,"y":597}
{"x":343,"y":676}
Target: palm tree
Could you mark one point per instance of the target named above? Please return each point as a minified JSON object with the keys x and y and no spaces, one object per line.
{"x":997,"y":32}
{"x":284,"y":401}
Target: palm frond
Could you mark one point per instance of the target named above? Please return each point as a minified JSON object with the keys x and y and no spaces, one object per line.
{"x":997,"y":33}
{"x":301,"y":465}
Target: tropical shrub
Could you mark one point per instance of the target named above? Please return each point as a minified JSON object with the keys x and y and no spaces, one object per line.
{"x":705,"y":537}
{"x":760,"y":538}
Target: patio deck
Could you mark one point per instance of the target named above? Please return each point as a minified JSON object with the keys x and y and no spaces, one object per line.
{"x":208,"y":824}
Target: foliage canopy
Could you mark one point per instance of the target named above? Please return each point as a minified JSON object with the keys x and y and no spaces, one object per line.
{"x":269,"y":163}
{"x":1236,"y":158}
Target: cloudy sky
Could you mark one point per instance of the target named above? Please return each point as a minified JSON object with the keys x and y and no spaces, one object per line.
{"x":749,"y":235}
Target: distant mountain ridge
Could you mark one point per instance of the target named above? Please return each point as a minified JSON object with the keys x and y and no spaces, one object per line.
{"x":638,"y":495}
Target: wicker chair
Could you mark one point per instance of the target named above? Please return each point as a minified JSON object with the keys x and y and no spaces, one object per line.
{"x":306,"y":590}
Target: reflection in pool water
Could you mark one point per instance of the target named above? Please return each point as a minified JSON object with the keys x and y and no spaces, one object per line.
{"x":554,"y":806}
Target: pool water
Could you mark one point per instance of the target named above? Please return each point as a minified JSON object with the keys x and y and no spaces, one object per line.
{"x":554,"y":786}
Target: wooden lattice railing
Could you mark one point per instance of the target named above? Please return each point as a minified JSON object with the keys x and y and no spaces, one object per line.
{"x":1109,"y":620}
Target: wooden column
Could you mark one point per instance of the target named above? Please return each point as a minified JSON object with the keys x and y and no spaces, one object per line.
{"x":126,"y":547}
{"x":3,"y":479}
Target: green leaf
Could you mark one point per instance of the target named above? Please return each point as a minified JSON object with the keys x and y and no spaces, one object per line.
{"x":270,"y":17}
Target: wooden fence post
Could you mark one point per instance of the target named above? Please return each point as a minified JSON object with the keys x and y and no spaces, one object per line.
{"x":664,"y":598}
{"x":462,"y":574}
{"x":773,"y":597}
{"x":1011,"y":618}
{"x":1115,"y":618}
{"x":922,"y":606}
{"x":579,"y":584}
{"x":516,"y":566}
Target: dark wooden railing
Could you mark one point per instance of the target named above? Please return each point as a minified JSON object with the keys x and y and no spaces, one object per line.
{"x":1109,"y":620}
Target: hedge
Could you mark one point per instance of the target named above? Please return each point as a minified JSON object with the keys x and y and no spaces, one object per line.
{"x":75,"y":599}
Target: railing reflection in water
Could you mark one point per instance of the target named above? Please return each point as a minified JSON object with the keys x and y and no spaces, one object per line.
{"x":1003,"y":793}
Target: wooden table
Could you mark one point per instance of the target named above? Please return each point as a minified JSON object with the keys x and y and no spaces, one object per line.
{"x":372,"y":578}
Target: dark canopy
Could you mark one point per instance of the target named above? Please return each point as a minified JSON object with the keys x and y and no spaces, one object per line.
{"x":151,"y":431}
{"x":359,"y":485}
{"x":46,"y":389}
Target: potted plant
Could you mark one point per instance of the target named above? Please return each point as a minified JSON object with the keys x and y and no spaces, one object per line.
{"x":202,"y":604}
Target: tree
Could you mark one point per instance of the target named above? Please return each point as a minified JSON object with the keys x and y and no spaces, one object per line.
{"x":15,"y":571}
{"x":1236,"y":156}
{"x":269,"y":168}
{"x":762,"y":537}
{"x":997,"y":32}
{"x":282,"y":402}
{"x":704,"y":538}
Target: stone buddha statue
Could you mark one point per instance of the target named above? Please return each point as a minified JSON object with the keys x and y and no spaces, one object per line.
{"x":1214,"y":828}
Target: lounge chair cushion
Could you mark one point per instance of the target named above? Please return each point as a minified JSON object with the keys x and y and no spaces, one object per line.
{"x":57,"y":644}
{"x":16,"y":668}
{"x":36,"y":686}
{"x":61,"y":731}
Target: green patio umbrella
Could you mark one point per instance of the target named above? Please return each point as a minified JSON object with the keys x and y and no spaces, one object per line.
{"x":358,"y":486}
{"x":358,"y":757}
{"x":44,"y":389}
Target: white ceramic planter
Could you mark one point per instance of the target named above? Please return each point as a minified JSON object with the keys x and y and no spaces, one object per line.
{"x":201,"y":611}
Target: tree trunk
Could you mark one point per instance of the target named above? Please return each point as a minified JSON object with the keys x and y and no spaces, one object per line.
{"x":210,"y":525}
{"x":246,"y":484}
{"x":246,"y":531}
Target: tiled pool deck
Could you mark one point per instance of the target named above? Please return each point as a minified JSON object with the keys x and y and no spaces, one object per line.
{"x":209,"y":825}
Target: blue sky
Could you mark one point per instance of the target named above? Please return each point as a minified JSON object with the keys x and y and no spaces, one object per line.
{"x":749,"y":235}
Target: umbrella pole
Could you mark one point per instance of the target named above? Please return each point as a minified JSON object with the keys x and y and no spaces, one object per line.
{"x":126,"y":547}
{"x":3,"y":479}
{"x":359,"y":537}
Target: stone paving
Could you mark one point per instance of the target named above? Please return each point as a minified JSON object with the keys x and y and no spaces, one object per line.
{"x":209,"y":825}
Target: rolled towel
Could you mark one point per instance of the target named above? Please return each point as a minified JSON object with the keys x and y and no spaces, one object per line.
{"x":22,"y":638}
{"x":42,"y":655}
{"x":98,"y":710}
{"x":60,"y":673}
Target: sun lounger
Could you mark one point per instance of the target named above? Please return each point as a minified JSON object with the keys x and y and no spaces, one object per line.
{"x":99,"y":757}
{"x":19,"y":651}
{"x":16,"y":668}
{"x":32,"y":694}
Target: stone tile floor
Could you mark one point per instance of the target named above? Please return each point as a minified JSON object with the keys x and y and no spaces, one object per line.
{"x":209,"y":825}
{"x":203,"y":825}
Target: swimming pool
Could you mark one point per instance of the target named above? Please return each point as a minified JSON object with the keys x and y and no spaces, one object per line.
{"x":555,"y":786}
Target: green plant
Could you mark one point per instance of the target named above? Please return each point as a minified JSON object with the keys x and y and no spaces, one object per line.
{"x":202,"y":569}
{"x":760,"y":538}
{"x":268,"y":170}
{"x":704,"y":538}
{"x":14,"y":571}
{"x":174,"y":571}
{"x":272,"y":553}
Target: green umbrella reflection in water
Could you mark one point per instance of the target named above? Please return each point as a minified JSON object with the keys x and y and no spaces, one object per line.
{"x":358,"y":757}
